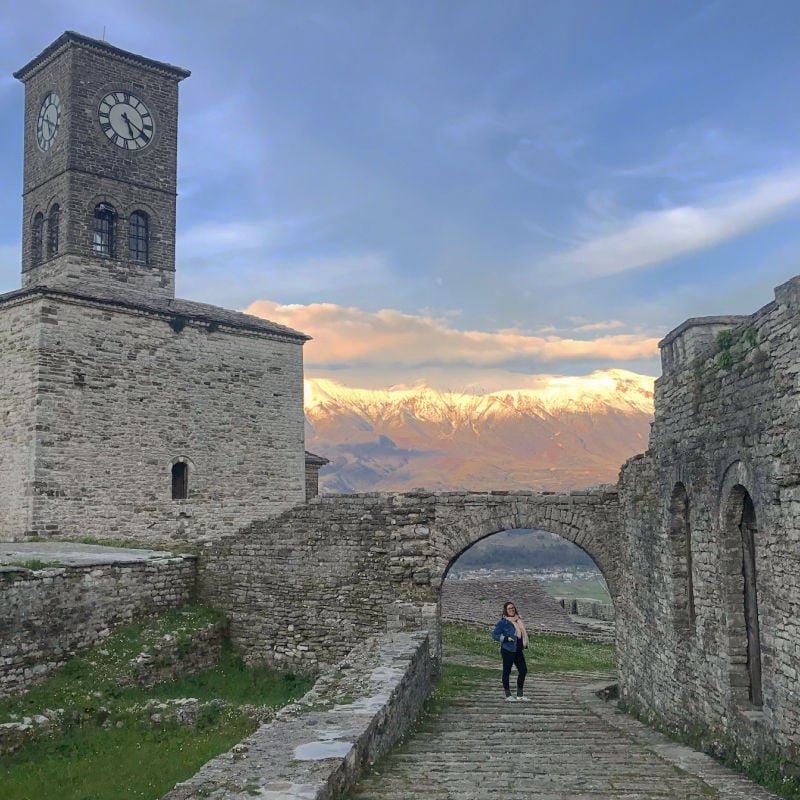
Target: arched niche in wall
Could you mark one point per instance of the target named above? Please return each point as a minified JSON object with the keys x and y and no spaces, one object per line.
{"x":740,"y":542}
{"x":680,"y":536}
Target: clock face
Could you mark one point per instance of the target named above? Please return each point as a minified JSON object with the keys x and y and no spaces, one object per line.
{"x":126,"y":120}
{"x":48,"y":121}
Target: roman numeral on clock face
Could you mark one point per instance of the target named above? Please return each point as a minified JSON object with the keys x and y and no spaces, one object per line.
{"x":125,"y":120}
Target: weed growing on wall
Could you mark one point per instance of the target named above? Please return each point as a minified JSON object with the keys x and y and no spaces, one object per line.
{"x":34,"y":564}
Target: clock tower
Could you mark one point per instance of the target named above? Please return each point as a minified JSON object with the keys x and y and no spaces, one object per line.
{"x":100,"y":170}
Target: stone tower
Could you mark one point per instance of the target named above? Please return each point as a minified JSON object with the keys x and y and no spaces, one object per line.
{"x":124,"y":410}
{"x":100,"y":169}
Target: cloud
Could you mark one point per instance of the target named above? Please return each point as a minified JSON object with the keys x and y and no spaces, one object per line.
{"x":351,"y":336}
{"x":213,"y":239}
{"x":580,"y":325}
{"x":656,"y":236}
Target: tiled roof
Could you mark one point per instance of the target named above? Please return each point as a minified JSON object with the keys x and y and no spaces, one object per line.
{"x":317,"y":461}
{"x":191,"y":310}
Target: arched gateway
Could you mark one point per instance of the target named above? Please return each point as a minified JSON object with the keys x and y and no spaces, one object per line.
{"x":588,"y":519}
{"x":302,"y":588}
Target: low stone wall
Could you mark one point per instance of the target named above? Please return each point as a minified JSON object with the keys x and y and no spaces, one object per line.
{"x":47,"y":615}
{"x":588,"y":608}
{"x":318,"y":747}
{"x":171,"y":658}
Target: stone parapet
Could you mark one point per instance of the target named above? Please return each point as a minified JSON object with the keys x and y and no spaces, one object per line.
{"x":318,"y":747}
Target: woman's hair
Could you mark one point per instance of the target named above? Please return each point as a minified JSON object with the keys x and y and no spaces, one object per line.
{"x":506,"y":605}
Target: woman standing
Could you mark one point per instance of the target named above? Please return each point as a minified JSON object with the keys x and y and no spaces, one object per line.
{"x":510,"y":632}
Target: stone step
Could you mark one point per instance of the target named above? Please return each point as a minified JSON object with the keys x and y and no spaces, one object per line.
{"x":566,"y":744}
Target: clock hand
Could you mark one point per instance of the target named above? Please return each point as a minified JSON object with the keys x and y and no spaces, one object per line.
{"x":128,"y":123}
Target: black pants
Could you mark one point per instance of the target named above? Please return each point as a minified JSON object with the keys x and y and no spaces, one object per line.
{"x":517,"y":659}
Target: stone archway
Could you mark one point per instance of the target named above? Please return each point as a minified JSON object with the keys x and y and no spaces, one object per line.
{"x":357,"y":563}
{"x":588,"y":519}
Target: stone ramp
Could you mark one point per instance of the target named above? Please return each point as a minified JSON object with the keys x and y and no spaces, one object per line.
{"x":479,"y":601}
{"x":566,"y":744}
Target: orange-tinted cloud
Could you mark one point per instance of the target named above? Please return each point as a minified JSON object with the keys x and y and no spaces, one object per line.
{"x":346,"y":335}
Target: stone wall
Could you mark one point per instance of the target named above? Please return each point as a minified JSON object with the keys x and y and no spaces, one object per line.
{"x":18,"y":359}
{"x":47,"y":615}
{"x":318,"y":747}
{"x":302,"y":588}
{"x":725,"y":435}
{"x":591,"y":609}
{"x":123,"y":395}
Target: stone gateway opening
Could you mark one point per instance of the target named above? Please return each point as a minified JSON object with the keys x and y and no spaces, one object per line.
{"x":555,"y":584}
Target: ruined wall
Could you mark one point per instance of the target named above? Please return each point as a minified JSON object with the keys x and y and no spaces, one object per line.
{"x":19,"y":334}
{"x":726,"y":428}
{"x":48,"y":614}
{"x":302,"y":588}
{"x":124,"y":395}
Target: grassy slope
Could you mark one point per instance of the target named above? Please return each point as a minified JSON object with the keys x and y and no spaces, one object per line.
{"x":544,"y":653}
{"x":108,"y":751}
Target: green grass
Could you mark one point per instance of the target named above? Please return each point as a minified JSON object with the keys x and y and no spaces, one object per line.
{"x":133,"y":762}
{"x":87,"y":682}
{"x":87,"y":761}
{"x":544,"y":653}
{"x":236,"y":683}
{"x":588,"y":590}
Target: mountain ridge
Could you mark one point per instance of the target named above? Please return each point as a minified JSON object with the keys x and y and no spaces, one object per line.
{"x":567,"y":432}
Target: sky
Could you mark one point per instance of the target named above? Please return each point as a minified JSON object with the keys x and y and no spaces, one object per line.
{"x":469,"y":194}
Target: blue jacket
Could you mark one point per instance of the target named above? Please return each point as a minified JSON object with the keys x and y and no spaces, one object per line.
{"x":505,"y":633}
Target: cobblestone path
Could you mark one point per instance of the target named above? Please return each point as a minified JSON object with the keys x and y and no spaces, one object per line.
{"x":567,"y":744}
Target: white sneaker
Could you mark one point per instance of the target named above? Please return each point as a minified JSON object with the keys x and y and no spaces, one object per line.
{"x":523,"y":699}
{"x":511,"y":699}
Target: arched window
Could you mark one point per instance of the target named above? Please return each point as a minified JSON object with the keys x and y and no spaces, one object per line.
{"x":138,"y":236}
{"x":53,"y":220}
{"x":37,"y":234}
{"x":681,"y":540}
{"x":180,"y":480}
{"x":741,"y":534}
{"x":105,"y":218}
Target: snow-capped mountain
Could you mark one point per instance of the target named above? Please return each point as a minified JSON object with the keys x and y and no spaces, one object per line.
{"x":568,"y":432}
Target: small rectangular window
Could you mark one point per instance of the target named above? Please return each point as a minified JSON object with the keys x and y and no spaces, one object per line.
{"x":180,"y":481}
{"x":103,"y":238}
{"x":138,"y":236}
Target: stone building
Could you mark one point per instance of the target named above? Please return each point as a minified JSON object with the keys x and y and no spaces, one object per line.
{"x":699,"y":542}
{"x":128,"y":412}
{"x":710,"y":524}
